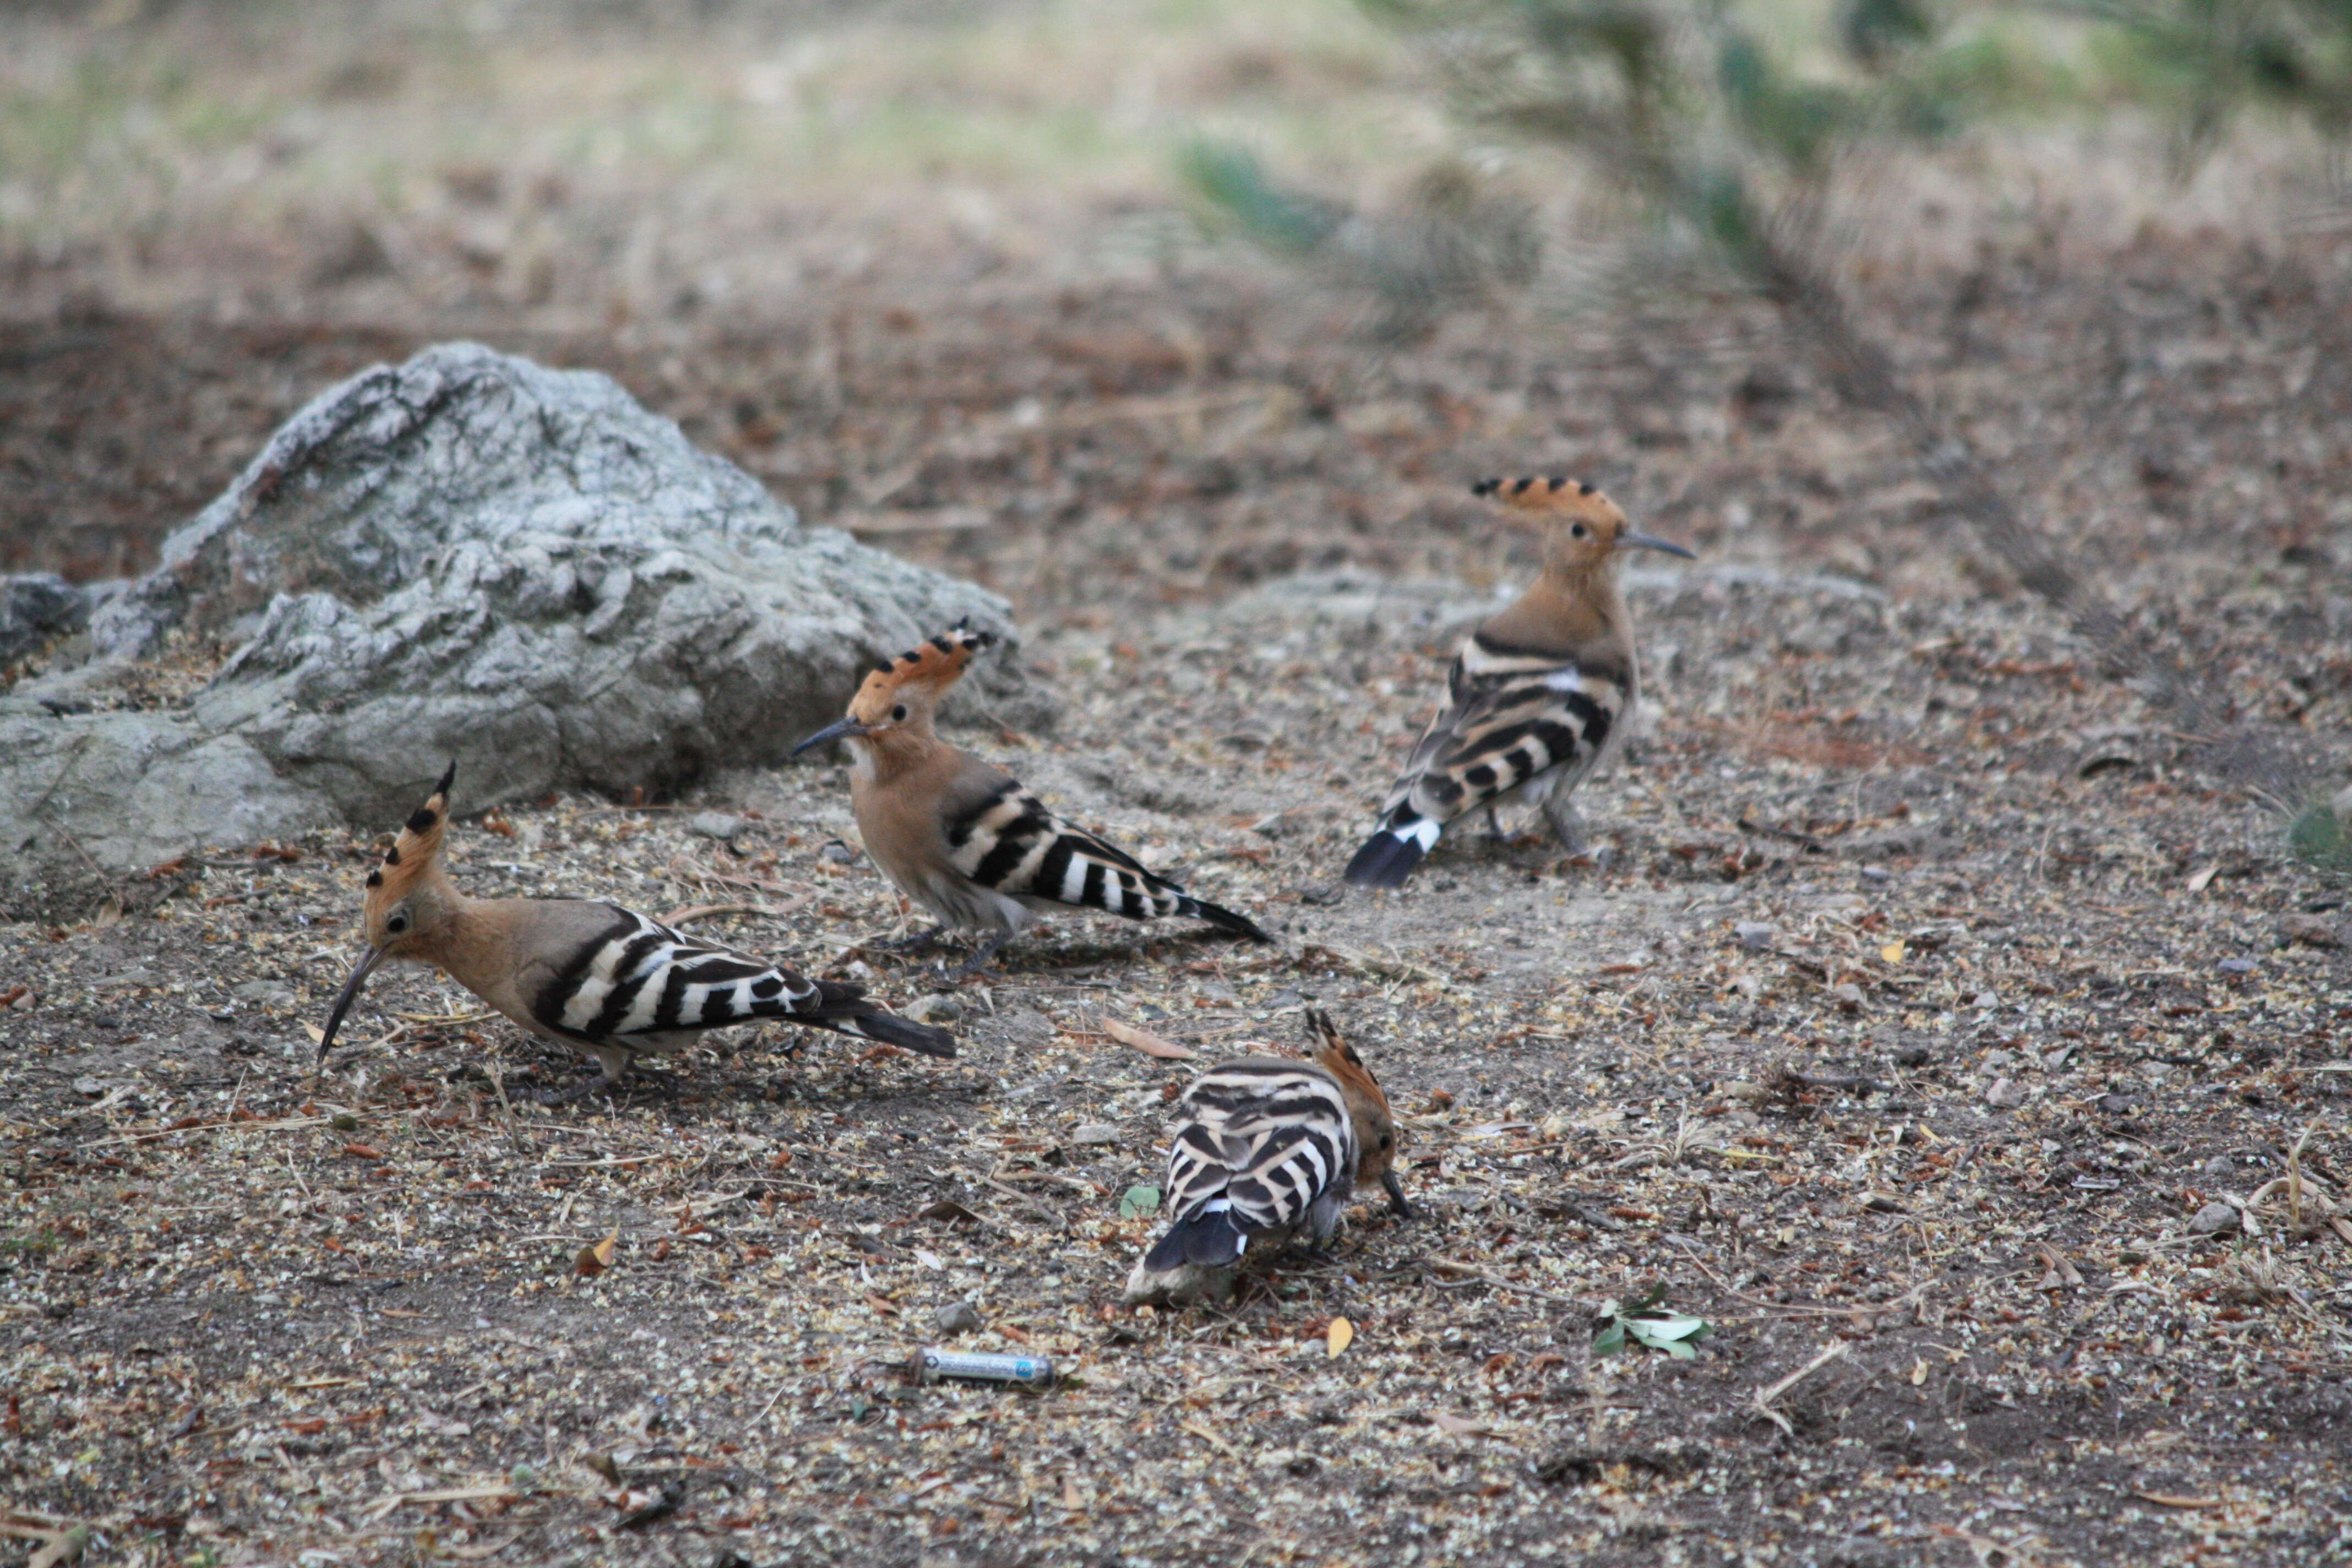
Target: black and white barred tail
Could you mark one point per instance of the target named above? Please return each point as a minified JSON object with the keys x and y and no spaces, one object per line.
{"x":1010,"y":842}
{"x":639,"y":977}
{"x":1268,"y":1148}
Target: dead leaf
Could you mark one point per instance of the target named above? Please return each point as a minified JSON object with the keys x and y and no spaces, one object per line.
{"x":2171,"y":1499}
{"x":362,"y":1151}
{"x":1341,"y":1335}
{"x":1894,"y":951}
{"x":2204,"y":880}
{"x":1462,"y":1425}
{"x":1211,"y":1438}
{"x":595,"y":1260}
{"x":1143,"y":1040}
{"x":318,"y":1035}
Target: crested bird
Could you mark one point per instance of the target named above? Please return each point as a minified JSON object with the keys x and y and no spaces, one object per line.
{"x":1271,"y":1148}
{"x":1538,"y":696}
{"x":594,"y":976}
{"x":963,"y":838}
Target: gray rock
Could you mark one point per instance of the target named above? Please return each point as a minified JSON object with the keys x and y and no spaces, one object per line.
{"x":127,"y":790}
{"x":468,"y":556}
{"x":2214,"y":1219}
{"x":955,"y":1317}
{"x":1095,"y":1133}
{"x":714,"y":824}
{"x":2006,"y":1094}
{"x":2220,"y":1166}
{"x":1756,"y":936}
{"x":37,"y":608}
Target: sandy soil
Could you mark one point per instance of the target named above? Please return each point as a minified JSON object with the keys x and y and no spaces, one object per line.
{"x":1931,"y":1018}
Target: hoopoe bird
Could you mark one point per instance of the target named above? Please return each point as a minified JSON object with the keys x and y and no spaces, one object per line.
{"x":594,"y":976}
{"x":961,"y":837}
{"x":1271,"y":1149}
{"x":1538,"y":696}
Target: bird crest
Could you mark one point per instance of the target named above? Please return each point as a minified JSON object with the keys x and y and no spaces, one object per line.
{"x":927,"y":671}
{"x":1556,"y":497}
{"x":1335,"y":1056}
{"x":418,"y":845}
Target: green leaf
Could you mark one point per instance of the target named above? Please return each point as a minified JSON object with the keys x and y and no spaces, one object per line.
{"x":1139,"y":1201}
{"x":1611,"y":1339}
{"x":1670,"y":1333}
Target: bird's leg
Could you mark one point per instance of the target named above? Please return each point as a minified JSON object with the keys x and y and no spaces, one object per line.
{"x":920,"y":941}
{"x":1494,"y":824}
{"x":1563,"y":819}
{"x":979,"y":961}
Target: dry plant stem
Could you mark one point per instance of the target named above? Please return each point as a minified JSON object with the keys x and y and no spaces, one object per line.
{"x":1765,"y":1396}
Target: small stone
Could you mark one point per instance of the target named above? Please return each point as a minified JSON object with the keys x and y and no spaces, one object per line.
{"x":719,"y":825}
{"x":2236,"y":966}
{"x":1985,"y":1002}
{"x":2005,"y":1094}
{"x":1913,"y":1056}
{"x":1756,"y":936}
{"x":1095,"y":1132}
{"x":2117,"y":1105}
{"x":90,"y":1088}
{"x":1848,"y":997}
{"x":2214,"y":1219}
{"x":937,"y":1008}
{"x":1875,"y":874}
{"x":955,"y":1317}
{"x":2218,"y":1166}
{"x":838,"y":853}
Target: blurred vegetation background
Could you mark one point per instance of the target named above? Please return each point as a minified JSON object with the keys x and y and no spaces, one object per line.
{"x":1108,"y":301}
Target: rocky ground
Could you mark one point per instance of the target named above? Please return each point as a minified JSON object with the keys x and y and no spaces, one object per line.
{"x":1953,"y":1035}
{"x":1945,"y":1027}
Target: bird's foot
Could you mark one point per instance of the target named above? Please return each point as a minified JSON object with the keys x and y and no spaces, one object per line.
{"x":978,"y":961}
{"x":1565,"y":825}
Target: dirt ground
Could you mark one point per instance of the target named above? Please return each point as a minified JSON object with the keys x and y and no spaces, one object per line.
{"x":1931,"y":1018}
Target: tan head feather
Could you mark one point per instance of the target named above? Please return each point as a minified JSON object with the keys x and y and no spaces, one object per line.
{"x":918,"y":676}
{"x":1368,"y":1106}
{"x":412,"y":857}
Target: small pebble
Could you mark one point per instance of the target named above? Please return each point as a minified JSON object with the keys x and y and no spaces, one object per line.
{"x":955,"y":1317}
{"x":1095,"y":1132}
{"x":2236,"y":966}
{"x":837,"y":852}
{"x":2005,"y":1093}
{"x":1875,"y":874}
{"x":714,"y":824}
{"x":2214,"y":1219}
{"x":2219,"y":1165}
{"x":1913,"y":1056}
{"x":1756,"y":936}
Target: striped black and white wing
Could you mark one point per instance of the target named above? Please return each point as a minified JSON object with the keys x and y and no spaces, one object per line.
{"x":635,"y":976}
{"x":1006,"y":839}
{"x":1265,"y":1139}
{"x":1512,"y":715}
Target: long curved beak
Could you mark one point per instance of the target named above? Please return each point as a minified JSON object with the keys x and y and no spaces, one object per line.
{"x":351,"y":994}
{"x":1396,"y":1194}
{"x":840,"y":731}
{"x":1648,"y":542}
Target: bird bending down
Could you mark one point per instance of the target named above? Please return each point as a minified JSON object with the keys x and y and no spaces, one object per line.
{"x":963,"y":838}
{"x":1537,"y":698}
{"x":590,"y":976}
{"x":1272,"y":1148}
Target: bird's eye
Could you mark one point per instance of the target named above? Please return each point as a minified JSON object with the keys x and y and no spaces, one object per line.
{"x":396,"y":924}
{"x":898,"y":714}
{"x":1387,"y":1139}
{"x":1577,"y":530}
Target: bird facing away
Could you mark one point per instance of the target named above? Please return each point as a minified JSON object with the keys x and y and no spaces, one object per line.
{"x":1537,"y":698}
{"x":963,"y":838}
{"x":590,"y":976}
{"x":1271,"y":1148}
